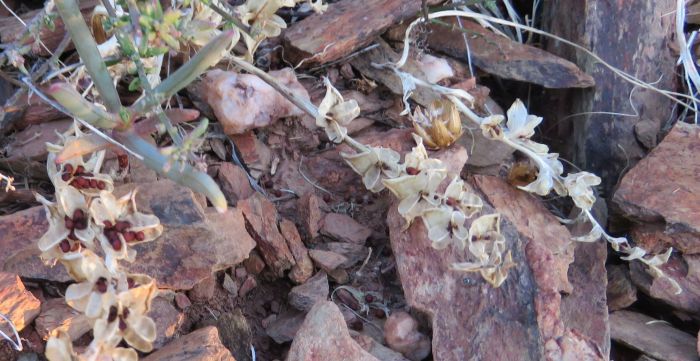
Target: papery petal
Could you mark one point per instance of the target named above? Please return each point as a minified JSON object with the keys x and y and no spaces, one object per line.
{"x":124,"y":354}
{"x":70,"y":200}
{"x":77,"y":294}
{"x":141,"y":332}
{"x":408,"y":203}
{"x":57,"y":232}
{"x":372,"y":180}
{"x":345,"y":112}
{"x":59,"y":348}
{"x":361,"y":162}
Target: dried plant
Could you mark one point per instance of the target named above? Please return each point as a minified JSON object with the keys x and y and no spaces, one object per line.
{"x":90,"y":231}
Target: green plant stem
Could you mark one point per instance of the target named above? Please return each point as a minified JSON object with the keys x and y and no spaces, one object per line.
{"x":187,"y":176}
{"x":226,"y":15}
{"x":87,"y":48}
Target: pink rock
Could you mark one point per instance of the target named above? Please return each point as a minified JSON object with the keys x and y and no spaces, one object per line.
{"x":312,"y":209}
{"x":203,"y":290}
{"x":304,"y":268}
{"x":182,"y":301}
{"x":324,"y":336}
{"x":343,"y":228}
{"x":254,"y":264}
{"x":56,"y":315}
{"x":242,"y":101}
{"x":327,"y":260}
{"x":304,"y":296}
{"x":167,"y":318}
{"x":247,"y":286}
{"x":16,"y":302}
{"x":402,"y":335}
{"x":201,"y":345}
{"x":233,"y":182}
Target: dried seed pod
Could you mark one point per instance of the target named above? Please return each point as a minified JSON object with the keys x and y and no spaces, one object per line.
{"x":439,"y":125}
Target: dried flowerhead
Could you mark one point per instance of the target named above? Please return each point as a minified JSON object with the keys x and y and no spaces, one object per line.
{"x":439,"y":126}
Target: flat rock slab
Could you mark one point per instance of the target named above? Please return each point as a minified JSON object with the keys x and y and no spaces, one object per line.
{"x":664,"y":187}
{"x":343,"y":228}
{"x":321,"y":38}
{"x":201,"y":345}
{"x":16,"y":303}
{"x":500,"y":56}
{"x":56,"y":315}
{"x":656,"y":339}
{"x":324,"y":336}
{"x":684,"y":269}
{"x":195,"y":241}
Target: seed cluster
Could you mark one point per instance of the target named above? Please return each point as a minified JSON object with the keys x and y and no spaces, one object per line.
{"x":112,"y":232}
{"x":78,"y":178}
{"x":79,"y":221}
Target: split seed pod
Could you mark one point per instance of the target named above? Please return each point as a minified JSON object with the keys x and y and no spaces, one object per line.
{"x":439,"y":125}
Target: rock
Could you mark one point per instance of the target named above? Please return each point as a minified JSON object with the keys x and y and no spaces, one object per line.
{"x":30,"y":143}
{"x":230,"y":285}
{"x":353,"y":252}
{"x":321,"y":38}
{"x":312,"y":208}
{"x":375,"y":348}
{"x":243,"y":102}
{"x":168,"y":320}
{"x":402,"y":335}
{"x":233,"y":181}
{"x":327,"y":260}
{"x":646,"y":132}
{"x":343,"y":228}
{"x":235,"y":334}
{"x":56,"y":316}
{"x":16,"y":303}
{"x":644,"y":53}
{"x":267,"y":321}
{"x":304,"y":268}
{"x":530,"y":295}
{"x":324,"y":336}
{"x":182,"y":301}
{"x":247,"y":286}
{"x":204,"y":289}
{"x":523,"y":63}
{"x":684,"y":269}
{"x":621,"y":293}
{"x":662,"y":189}
{"x":261,"y":223}
{"x":240,"y":273}
{"x":285,"y":327}
{"x":254,"y":264}
{"x":304,"y":296}
{"x":254,"y":153}
{"x":201,"y":345}
{"x":656,"y":339}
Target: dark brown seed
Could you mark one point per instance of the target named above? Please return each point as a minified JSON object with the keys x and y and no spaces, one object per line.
{"x":122,"y":324}
{"x":369,"y":298}
{"x":451,"y":202}
{"x":93,"y":183}
{"x":116,"y":244}
{"x":125,"y":313}
{"x":80,"y":169}
{"x":123,"y":160}
{"x":68,"y":222}
{"x":101,"y":185}
{"x":101,"y":285}
{"x":78,"y":214}
{"x":82,"y":182}
{"x":276,"y":192}
{"x":65,"y":177}
{"x":76,"y":246}
{"x":269,"y":184}
{"x":412,"y":171}
{"x":378,"y":313}
{"x":129,"y":236}
{"x":81,"y":224}
{"x":88,"y":174}
{"x":348,"y":299}
{"x":65,"y":246}
{"x":107,"y":224}
{"x":112,"y":314}
{"x":68,"y":168}
{"x":74,"y":183}
{"x":140,"y":236}
{"x":326,"y":197}
{"x":72,"y":236}
{"x":130,"y":282}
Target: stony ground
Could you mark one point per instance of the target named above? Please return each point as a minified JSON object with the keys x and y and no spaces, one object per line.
{"x":308,"y":265}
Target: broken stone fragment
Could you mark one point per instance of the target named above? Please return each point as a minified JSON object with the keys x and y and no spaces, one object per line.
{"x":168,"y":320}
{"x":304,"y":268}
{"x":16,"y":302}
{"x":656,"y":339}
{"x":57,"y":316}
{"x":201,"y":345}
{"x":233,"y":181}
{"x":621,"y":293}
{"x":327,"y":260}
{"x":324,"y":336}
{"x":402,"y":335}
{"x":243,"y":102}
{"x":344,"y":228}
{"x":304,"y":296}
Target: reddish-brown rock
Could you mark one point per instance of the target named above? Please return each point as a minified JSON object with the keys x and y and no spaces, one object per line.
{"x":312,"y":209}
{"x":182,"y":301}
{"x":30,"y":143}
{"x":168,"y":320}
{"x":285,"y":326}
{"x":304,"y":296}
{"x":322,"y":38}
{"x":621,"y":293}
{"x":375,"y":348}
{"x":201,"y":345}
{"x":343,"y":228}
{"x":16,"y":303}
{"x":304,"y":268}
{"x":56,"y":315}
{"x":353,"y":252}
{"x":233,"y":181}
{"x":327,"y":260}
{"x":656,"y":339}
{"x":261,"y":223}
{"x":254,"y":264}
{"x":402,"y":335}
{"x":324,"y":336}
{"x":663,"y":188}
{"x":247,"y":286}
{"x":684,"y":269}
